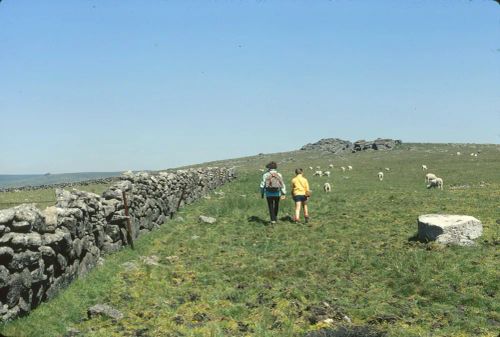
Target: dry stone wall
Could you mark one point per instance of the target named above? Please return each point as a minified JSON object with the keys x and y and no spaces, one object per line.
{"x":43,"y":251}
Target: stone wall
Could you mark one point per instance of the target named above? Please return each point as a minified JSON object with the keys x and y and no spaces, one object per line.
{"x":43,"y":251}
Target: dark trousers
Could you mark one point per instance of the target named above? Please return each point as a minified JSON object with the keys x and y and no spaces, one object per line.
{"x":273,"y":204}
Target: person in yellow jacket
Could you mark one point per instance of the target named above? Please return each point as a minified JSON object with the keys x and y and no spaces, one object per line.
{"x":300,"y":194}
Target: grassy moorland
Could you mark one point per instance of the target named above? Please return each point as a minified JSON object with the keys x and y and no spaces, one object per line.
{"x":244,"y":277}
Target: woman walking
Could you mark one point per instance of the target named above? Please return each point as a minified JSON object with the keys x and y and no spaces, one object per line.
{"x":273,"y":187}
{"x":300,"y":194}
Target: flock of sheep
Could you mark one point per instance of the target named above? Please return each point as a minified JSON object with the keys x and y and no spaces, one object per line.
{"x":431,"y":179}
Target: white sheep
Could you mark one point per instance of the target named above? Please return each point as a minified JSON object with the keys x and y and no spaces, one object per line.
{"x":430,"y":176}
{"x":472,"y":154}
{"x":342,"y":168}
{"x":311,"y":168}
{"x":387,"y":169}
{"x":380,"y":176}
{"x":318,"y":173}
{"x":475,"y":154}
{"x":424,"y":167}
{"x":261,"y":170}
{"x":318,"y":167}
{"x":330,"y":166}
{"x":349,"y":167}
{"x":326,"y":173}
{"x":438,"y":182}
{"x":458,"y":153}
{"x":327,"y":187}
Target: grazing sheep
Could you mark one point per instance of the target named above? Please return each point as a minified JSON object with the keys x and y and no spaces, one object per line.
{"x":318,"y":173}
{"x":327,"y":187}
{"x":349,"y":167}
{"x":343,"y":169}
{"x":387,"y":169}
{"x":318,"y":167}
{"x":311,"y":168}
{"x":472,"y":154}
{"x":424,"y":167}
{"x":330,"y":166}
{"x":430,"y":176}
{"x":438,"y":182}
{"x":380,"y":176}
{"x":475,"y":154}
{"x":326,"y":173}
{"x":458,"y":153}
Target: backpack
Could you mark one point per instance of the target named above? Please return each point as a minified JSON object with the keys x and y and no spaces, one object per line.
{"x":274,"y":183}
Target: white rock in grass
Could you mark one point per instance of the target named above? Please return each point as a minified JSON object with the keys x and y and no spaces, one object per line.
{"x":207,"y":219}
{"x":104,"y":310}
{"x":449,"y":229}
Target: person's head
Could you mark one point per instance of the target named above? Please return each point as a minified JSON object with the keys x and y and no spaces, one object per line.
{"x":299,"y":171}
{"x":272,"y":166}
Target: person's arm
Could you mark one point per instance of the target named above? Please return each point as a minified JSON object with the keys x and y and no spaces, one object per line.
{"x":262,"y":185}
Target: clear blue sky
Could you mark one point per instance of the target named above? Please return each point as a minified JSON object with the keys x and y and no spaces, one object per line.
{"x":114,"y":85}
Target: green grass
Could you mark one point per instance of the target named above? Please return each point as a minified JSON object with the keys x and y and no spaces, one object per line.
{"x":243,"y":277}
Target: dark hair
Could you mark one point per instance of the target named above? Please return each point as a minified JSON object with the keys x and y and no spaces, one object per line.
{"x":299,"y":171}
{"x":272,"y":165}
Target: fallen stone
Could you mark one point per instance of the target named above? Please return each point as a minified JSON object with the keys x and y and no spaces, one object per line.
{"x":207,"y":219}
{"x":150,"y":260}
{"x":449,"y":229}
{"x":104,"y":310}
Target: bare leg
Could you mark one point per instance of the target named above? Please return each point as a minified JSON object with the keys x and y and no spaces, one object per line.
{"x":298,"y":205}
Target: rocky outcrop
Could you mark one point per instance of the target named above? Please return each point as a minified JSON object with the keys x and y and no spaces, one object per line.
{"x":377,"y":144}
{"x":333,"y":145}
{"x":44,"y":251}
{"x":339,"y":146}
{"x":449,"y":229}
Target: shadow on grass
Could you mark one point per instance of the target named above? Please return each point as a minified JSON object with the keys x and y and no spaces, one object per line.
{"x":416,"y":238}
{"x":256,"y":219}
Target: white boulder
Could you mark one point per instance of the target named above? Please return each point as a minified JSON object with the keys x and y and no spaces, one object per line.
{"x":449,"y":229}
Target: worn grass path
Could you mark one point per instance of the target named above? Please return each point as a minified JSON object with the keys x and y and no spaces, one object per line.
{"x":243,"y":277}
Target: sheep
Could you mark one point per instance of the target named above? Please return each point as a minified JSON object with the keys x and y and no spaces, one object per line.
{"x":387,"y":169}
{"x":475,"y":154}
{"x":326,"y":173}
{"x":472,"y":154}
{"x":311,"y":168}
{"x":424,"y":167}
{"x":327,"y":187}
{"x":330,"y":166}
{"x":380,"y":176}
{"x":458,"y":153}
{"x":318,"y":173}
{"x":261,"y":170}
{"x":343,"y":169}
{"x":437,"y":182}
{"x":318,"y":167}
{"x":430,"y":176}
{"x":349,"y":167}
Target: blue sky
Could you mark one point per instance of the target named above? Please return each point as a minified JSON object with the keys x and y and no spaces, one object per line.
{"x":116,"y":85}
